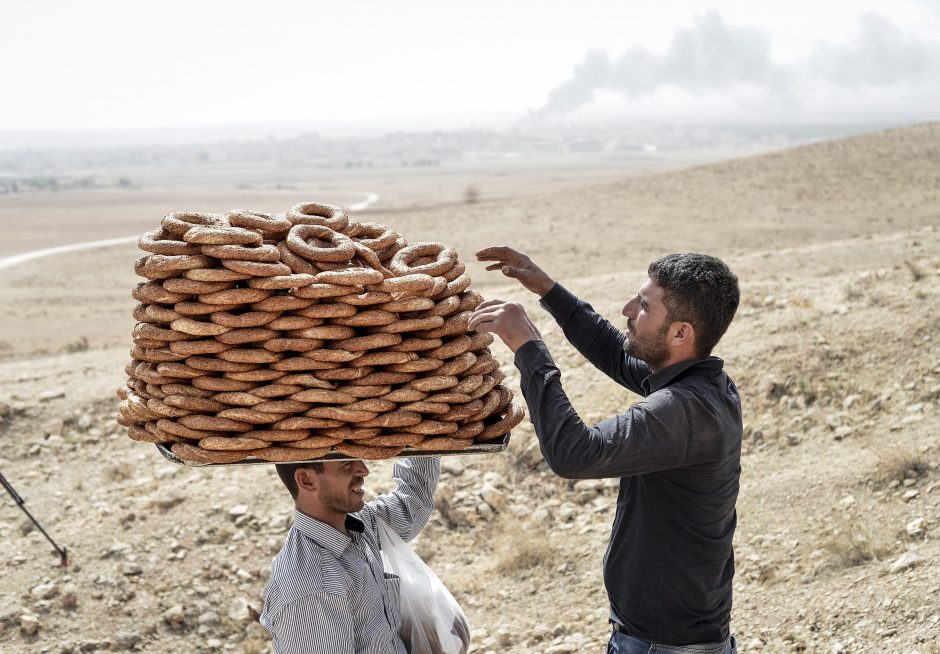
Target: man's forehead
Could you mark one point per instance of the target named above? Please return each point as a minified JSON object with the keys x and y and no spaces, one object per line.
{"x":651,"y":292}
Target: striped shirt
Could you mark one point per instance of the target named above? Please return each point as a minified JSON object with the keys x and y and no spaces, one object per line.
{"x":328,"y":592}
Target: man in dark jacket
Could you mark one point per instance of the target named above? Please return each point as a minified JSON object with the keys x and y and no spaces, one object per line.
{"x":669,"y":564}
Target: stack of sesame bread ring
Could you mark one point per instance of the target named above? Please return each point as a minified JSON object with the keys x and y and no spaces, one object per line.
{"x":285,"y":337}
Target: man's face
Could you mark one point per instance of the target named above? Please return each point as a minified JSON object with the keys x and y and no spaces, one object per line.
{"x":647,"y":326}
{"x":340,"y":486}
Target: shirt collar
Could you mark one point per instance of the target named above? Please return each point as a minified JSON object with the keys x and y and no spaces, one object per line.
{"x":325,"y":535}
{"x":661,"y":378}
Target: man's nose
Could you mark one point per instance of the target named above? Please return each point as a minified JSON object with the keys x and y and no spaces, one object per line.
{"x":628,"y":309}
{"x":362,"y":469}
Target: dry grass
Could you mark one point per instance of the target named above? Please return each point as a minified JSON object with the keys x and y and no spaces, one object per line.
{"x":521,"y":551}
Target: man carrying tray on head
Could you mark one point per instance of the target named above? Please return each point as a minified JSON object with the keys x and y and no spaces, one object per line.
{"x":669,"y":564}
{"x":328,"y":592}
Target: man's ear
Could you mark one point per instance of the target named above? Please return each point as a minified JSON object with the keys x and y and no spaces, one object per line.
{"x":683,"y":333}
{"x":306,"y":480}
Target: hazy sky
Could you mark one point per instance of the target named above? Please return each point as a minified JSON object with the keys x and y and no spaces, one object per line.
{"x":120,"y":64}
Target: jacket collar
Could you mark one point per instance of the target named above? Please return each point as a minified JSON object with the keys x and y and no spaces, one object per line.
{"x":710,"y":367}
{"x":325,"y":535}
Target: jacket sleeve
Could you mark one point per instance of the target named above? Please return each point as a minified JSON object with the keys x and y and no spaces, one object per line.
{"x":407,"y":508}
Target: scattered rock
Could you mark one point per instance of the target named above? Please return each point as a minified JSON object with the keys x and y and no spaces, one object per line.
{"x":915,"y":528}
{"x":29,"y":624}
{"x":50,"y":394}
{"x":907,"y":560}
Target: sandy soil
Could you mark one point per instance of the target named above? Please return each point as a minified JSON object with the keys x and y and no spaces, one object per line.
{"x":834,"y":349}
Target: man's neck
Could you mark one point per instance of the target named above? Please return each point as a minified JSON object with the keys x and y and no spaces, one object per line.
{"x":317,"y":512}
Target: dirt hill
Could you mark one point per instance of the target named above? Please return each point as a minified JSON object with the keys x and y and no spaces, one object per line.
{"x":835,"y":350}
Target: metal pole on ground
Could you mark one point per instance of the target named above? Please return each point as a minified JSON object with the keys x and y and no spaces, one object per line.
{"x":63,"y":551}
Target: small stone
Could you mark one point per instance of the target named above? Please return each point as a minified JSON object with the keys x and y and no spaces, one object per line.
{"x":239,"y":610}
{"x":44,"y":591}
{"x":174,"y":615}
{"x":131,"y":569}
{"x":51,"y":394}
{"x":84,"y":422}
{"x":911,"y":494}
{"x":126,"y":640}
{"x":907,"y":560}
{"x":838,"y":648}
{"x":915,"y":528}
{"x":29,"y":624}
{"x":494,"y":497}
{"x":847,"y":501}
{"x":485,"y":510}
{"x":452,"y":466}
{"x":842,"y":432}
{"x":238,"y":510}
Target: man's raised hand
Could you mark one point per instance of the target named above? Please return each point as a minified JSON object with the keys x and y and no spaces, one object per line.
{"x":508,"y":320}
{"x":518,"y":266}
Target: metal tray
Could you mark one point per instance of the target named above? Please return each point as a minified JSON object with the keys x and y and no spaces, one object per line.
{"x":497,"y":445}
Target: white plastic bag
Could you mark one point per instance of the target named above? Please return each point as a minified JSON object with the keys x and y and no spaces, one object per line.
{"x":431,"y":620}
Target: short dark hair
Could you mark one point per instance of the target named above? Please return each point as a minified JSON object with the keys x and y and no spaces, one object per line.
{"x":698,"y":289}
{"x":286,"y":472}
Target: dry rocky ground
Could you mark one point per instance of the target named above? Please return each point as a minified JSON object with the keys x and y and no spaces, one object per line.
{"x":835,"y":349}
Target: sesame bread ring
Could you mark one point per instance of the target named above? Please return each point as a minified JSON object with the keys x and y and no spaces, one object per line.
{"x":317,"y":291}
{"x":213,"y":423}
{"x":195,"y":454}
{"x":175,"y":428}
{"x":374,"y":236}
{"x":293,"y":344}
{"x":201,"y":309}
{"x":366,"y":452}
{"x":181,"y":222}
{"x":346,"y":374}
{"x":434,"y":383}
{"x":291,"y":321}
{"x":221,"y":384}
{"x":339,"y":356}
{"x":314,"y":442}
{"x":444,"y":443}
{"x":288,"y":454}
{"x":250,"y":355}
{"x":212,"y":364}
{"x":455,"y":324}
{"x":190,"y":403}
{"x":178,"y":370}
{"x":193,"y":287}
{"x":340,"y":413}
{"x":155,"y":355}
{"x":513,"y":417}
{"x":259,"y":253}
{"x":204,"y":346}
{"x":165,"y":410}
{"x":185,"y":389}
{"x":411,"y":283}
{"x":453,"y":347}
{"x":373,"y":404}
{"x":306,"y":379}
{"x":480,"y":340}
{"x":197,"y":327}
{"x":351,"y":433}
{"x":279,"y":435}
{"x":453,"y":288}
{"x":160,"y":241}
{"x":243,"y":320}
{"x":490,"y":406}
{"x":489,"y":383}
{"x":505,"y":397}
{"x":417,"y":345}
{"x":439,"y":285}
{"x":154,"y":313}
{"x":320,"y":243}
{"x":305,"y":422}
{"x":457,"y":365}
{"x":469,"y":301}
{"x":458,"y":269}
{"x":279,"y":303}
{"x":368,"y":318}
{"x":468,"y":430}
{"x":154,"y":391}
{"x":266,"y":223}
{"x":411,"y":325}
{"x":297,"y":264}
{"x":293,"y":280}
{"x":450,"y":397}
{"x":394,"y":419}
{"x":314,"y":213}
{"x":364,"y":299}
{"x":370,"y":342}
{"x":277,"y":390}
{"x":214,"y":275}
{"x":151,"y":332}
{"x":257,"y":268}
{"x":444,"y":307}
{"x":235,"y":296}
{"x":385,"y":358}
{"x":432,"y":428}
{"x":147,"y":372}
{"x":349,"y":276}
{"x":485,"y":365}
{"x":324,"y":332}
{"x":330,"y":310}
{"x":248,"y":335}
{"x":404,"y":395}
{"x":140,"y":269}
{"x":461,"y":411}
{"x":468,"y":384}
{"x":424,"y":406}
{"x":386,"y":254}
{"x":407,"y":304}
{"x":363,"y":392}
{"x":383,"y":378}
{"x":249,"y":415}
{"x":404,"y":261}
{"x":402,"y":439}
{"x":258,"y":375}
{"x":320,"y":395}
{"x":282,"y":406}
{"x":423,"y":364}
{"x":219,"y":235}
{"x":226,"y":443}
{"x":370,"y":259}
{"x":238,"y":398}
{"x":153,"y":293}
{"x":294,"y":364}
